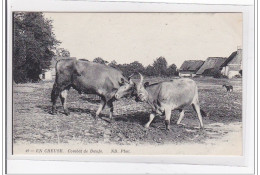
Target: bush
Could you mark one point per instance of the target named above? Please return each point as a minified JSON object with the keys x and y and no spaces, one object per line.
{"x":219,"y":75}
{"x":211,"y":72}
{"x":216,"y":73}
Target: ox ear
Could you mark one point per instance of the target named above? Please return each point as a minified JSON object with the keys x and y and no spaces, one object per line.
{"x":122,"y":82}
{"x":146,"y":84}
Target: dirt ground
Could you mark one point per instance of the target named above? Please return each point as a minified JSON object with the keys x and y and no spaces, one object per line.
{"x":33,"y":123}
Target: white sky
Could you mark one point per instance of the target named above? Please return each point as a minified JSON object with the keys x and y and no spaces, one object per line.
{"x":127,"y":37}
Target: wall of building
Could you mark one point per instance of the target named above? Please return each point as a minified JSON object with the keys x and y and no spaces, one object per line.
{"x":187,"y":74}
{"x":48,"y":75}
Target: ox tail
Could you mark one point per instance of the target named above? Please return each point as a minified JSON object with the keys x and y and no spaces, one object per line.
{"x":55,"y":91}
{"x":203,"y":113}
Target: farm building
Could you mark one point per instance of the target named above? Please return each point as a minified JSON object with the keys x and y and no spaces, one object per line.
{"x":50,"y":73}
{"x":233,"y":64}
{"x":190,"y":67}
{"x":211,"y":64}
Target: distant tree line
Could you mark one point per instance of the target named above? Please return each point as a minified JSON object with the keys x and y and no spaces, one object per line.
{"x":158,"y":68}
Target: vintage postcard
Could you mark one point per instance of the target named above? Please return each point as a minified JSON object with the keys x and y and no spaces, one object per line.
{"x":127,"y":84}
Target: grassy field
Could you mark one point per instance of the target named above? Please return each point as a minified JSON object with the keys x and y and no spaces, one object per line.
{"x":32,"y":122}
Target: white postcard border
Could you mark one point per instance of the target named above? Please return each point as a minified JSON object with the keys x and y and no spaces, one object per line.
{"x":248,"y":76}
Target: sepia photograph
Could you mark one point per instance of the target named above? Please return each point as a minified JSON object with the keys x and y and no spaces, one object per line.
{"x":127,"y":83}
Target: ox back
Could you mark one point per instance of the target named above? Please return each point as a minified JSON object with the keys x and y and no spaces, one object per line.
{"x":85,"y":77}
{"x":177,"y":93}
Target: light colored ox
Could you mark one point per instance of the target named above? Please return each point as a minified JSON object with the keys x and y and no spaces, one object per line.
{"x":163,"y":97}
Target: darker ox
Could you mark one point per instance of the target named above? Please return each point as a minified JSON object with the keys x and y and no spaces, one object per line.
{"x":86,"y":77}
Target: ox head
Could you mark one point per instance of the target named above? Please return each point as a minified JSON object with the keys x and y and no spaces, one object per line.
{"x":125,"y":89}
{"x":136,"y":90}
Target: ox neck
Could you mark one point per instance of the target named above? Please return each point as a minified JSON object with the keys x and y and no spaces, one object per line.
{"x":150,"y":99}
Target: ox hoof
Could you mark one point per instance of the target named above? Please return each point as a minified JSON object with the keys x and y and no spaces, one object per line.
{"x":53,"y":112}
{"x":97,"y":117}
{"x":66,"y":112}
{"x":112,"y":120}
{"x":146,"y":126}
{"x":168,"y":131}
{"x":168,"y":128}
{"x":180,"y":124}
{"x":106,"y":119}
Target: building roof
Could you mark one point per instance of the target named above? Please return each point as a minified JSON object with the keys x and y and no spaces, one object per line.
{"x":231,"y":57}
{"x":210,"y":63}
{"x":191,"y":65}
{"x":234,"y":59}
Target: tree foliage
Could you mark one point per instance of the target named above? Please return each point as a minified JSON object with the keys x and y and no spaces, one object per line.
{"x":33,"y":45}
{"x":113,"y":64}
{"x":149,"y":70}
{"x":172,"y":70}
{"x":61,"y":52}
{"x":100,"y":60}
{"x":160,"y":66}
{"x":134,"y":67}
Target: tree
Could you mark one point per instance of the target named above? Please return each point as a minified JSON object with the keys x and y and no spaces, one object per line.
{"x":61,"y":52}
{"x":160,"y":66}
{"x":129,"y":69}
{"x":100,"y":60}
{"x":136,"y":67}
{"x":33,"y":45}
{"x":149,"y":71}
{"x":113,"y":64}
{"x":171,"y":70}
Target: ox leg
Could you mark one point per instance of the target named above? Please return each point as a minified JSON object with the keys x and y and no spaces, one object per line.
{"x":54,"y":96}
{"x":111,"y":108}
{"x":152,"y":115}
{"x":181,"y":117}
{"x":196,"y":107}
{"x":168,"y":112}
{"x":63,"y":98}
{"x":101,"y":107}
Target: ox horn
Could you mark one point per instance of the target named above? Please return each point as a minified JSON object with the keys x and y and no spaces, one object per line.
{"x":130,"y":76}
{"x":141,"y":79}
{"x":130,"y":80}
